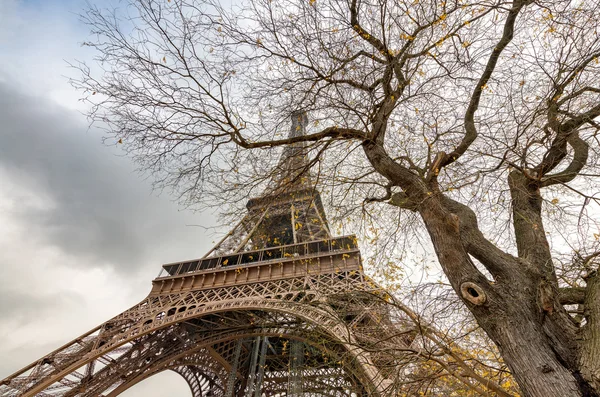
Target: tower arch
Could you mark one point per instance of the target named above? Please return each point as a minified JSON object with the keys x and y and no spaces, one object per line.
{"x":198,"y":342}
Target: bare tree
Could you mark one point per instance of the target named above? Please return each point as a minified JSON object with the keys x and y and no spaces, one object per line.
{"x":470,"y":127}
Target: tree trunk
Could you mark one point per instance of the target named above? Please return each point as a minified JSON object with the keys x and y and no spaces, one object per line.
{"x":516,"y":312}
{"x":527,"y":350}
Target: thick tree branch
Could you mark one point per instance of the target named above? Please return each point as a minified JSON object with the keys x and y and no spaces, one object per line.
{"x":532,"y":243}
{"x":367,"y":36}
{"x":330,"y":132}
{"x":500,"y":264}
{"x":401,"y":200}
{"x":571,"y":296}
{"x":566,"y":129}
{"x":580,"y":157}
{"x":469,"y":120}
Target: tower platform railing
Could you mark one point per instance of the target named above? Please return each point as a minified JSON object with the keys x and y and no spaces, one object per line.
{"x":278,"y":253}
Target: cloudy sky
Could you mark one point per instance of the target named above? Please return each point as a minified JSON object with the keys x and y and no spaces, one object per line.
{"x":81,"y":233}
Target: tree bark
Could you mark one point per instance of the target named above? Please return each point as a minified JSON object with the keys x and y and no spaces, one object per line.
{"x":527,"y":350}
{"x":590,"y":344}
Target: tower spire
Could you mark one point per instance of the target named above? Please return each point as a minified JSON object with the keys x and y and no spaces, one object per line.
{"x":289,"y":211}
{"x":299,"y":123}
{"x":292,"y":170}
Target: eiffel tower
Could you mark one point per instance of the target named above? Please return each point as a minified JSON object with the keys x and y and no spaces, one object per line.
{"x":279,"y":307}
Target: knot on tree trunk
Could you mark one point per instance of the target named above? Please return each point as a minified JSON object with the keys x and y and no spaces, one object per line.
{"x":473,"y":293}
{"x":546,"y":296}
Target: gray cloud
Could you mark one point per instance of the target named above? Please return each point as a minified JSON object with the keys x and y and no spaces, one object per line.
{"x":77,"y":230}
{"x":100,"y":209}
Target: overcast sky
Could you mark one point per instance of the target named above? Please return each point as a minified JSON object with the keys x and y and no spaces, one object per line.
{"x":81,"y":234}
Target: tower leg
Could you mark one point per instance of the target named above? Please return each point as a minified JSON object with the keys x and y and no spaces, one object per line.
{"x":251,"y":384}
{"x":261,"y":367}
{"x":296,"y":365}
{"x":231,"y":381}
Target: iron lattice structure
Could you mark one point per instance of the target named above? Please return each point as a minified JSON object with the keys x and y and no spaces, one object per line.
{"x":279,"y":307}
